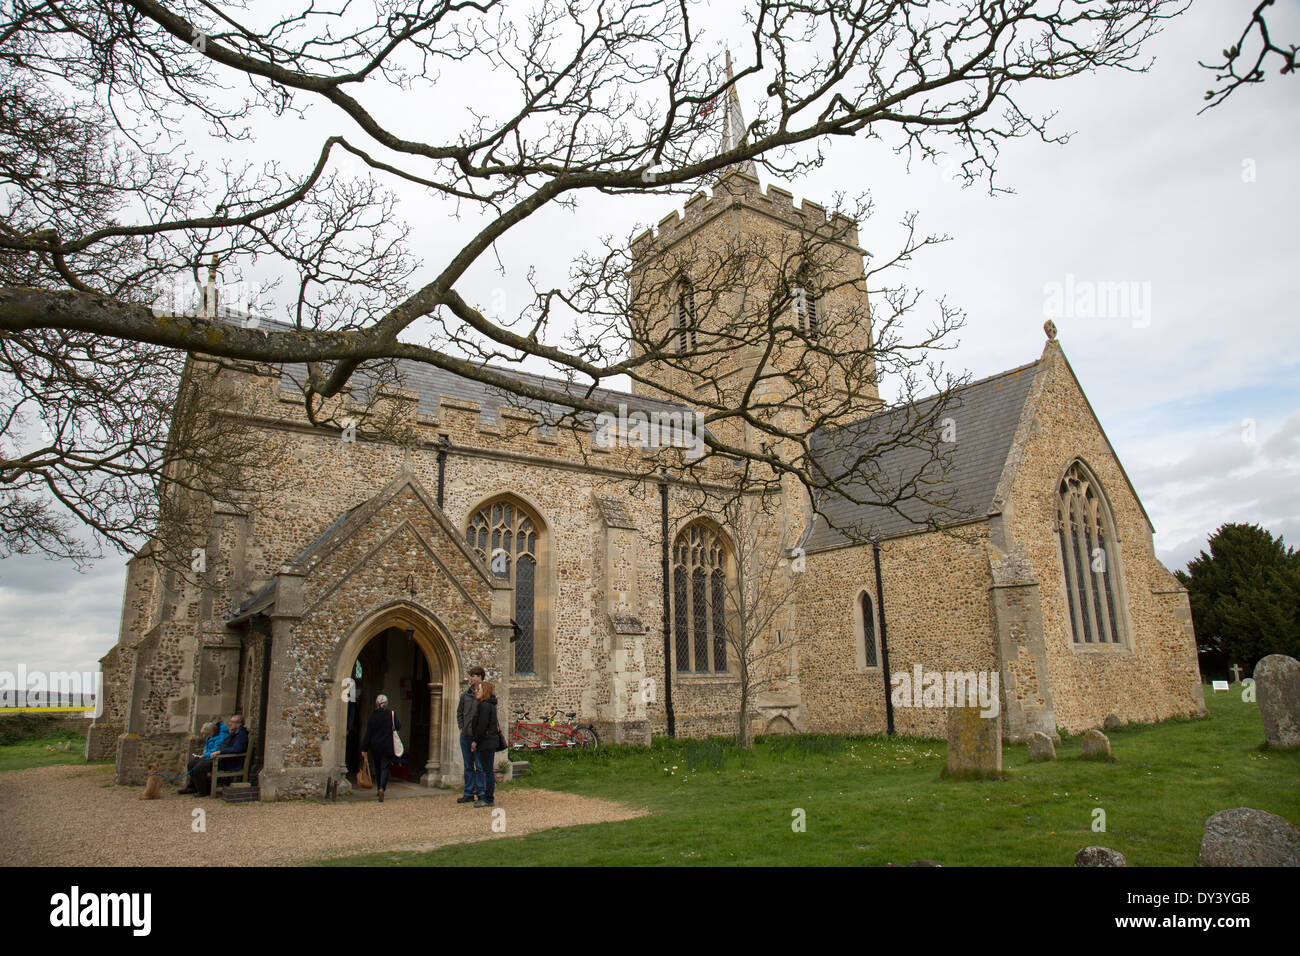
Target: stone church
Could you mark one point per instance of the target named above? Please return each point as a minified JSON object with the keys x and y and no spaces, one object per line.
{"x":584,"y":583}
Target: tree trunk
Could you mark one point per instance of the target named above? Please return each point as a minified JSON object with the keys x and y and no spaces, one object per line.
{"x":744,"y":735}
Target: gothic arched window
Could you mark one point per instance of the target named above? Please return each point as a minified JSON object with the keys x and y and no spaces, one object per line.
{"x":700,"y":572}
{"x":505,"y":536}
{"x":806,"y":305}
{"x":684,"y":318}
{"x":868,"y":621}
{"x":1090,"y":558}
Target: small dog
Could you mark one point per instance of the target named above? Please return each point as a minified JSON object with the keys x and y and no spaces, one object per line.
{"x":153,"y":785}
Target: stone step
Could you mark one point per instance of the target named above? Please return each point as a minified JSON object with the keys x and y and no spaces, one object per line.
{"x":240,"y":794}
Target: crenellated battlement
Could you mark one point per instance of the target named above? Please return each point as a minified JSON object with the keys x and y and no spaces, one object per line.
{"x":738,"y":189}
{"x":470,"y":426}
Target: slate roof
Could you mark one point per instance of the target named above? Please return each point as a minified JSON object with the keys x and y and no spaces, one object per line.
{"x":957,"y":486}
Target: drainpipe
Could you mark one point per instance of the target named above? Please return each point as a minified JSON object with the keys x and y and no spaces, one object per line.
{"x":884,"y":644}
{"x":668,"y":659}
{"x":442,"y":466}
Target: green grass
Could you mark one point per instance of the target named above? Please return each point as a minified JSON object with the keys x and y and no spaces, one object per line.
{"x":31,"y":752}
{"x":872,"y":800}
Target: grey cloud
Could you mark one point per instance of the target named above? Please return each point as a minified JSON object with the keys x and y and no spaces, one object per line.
{"x":1285,"y":443}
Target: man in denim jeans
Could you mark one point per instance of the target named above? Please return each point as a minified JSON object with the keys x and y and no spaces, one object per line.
{"x":464,"y":712}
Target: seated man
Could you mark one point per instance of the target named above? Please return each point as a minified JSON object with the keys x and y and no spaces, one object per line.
{"x":236,"y":743}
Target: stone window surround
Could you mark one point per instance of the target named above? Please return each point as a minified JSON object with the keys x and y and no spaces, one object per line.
{"x":699,"y":677}
{"x":808,"y":318}
{"x":859,"y":640}
{"x":685,"y":316}
{"x":544,"y":588}
{"x":690,"y":678}
{"x":1115,"y":565}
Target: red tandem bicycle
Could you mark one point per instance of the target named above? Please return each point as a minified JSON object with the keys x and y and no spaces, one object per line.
{"x":537,"y":735}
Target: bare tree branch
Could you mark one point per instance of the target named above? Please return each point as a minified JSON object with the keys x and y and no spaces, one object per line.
{"x":104,"y":214}
{"x":1231,"y":73}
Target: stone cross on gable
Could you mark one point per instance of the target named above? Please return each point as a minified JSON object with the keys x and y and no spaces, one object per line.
{"x":1236,"y":674}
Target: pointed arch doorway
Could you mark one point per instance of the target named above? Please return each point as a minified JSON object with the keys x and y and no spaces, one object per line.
{"x":399,"y":651}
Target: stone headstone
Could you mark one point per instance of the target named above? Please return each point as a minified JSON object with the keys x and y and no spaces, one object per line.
{"x":1246,"y":837}
{"x":1042,"y":747}
{"x":1099,"y":856}
{"x":974,"y":742}
{"x":1236,"y":673}
{"x":1096,"y":744}
{"x":1112,"y":722}
{"x":1277,"y":691}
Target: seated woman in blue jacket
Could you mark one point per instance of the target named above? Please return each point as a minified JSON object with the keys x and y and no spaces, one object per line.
{"x":235,"y":743}
{"x":214,"y":734}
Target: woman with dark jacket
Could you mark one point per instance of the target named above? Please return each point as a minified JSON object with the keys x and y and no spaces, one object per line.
{"x":378,"y":742}
{"x":484,"y":741}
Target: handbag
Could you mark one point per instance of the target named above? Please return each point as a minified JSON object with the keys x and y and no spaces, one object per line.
{"x":502,"y":744}
{"x":397,"y":741}
{"x":363,"y":775}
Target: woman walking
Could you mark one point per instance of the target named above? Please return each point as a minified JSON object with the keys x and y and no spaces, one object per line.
{"x":484,"y":741}
{"x":378,"y":742}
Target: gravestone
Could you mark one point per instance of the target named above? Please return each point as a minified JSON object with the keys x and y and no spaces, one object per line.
{"x":1042,"y":747}
{"x":1096,"y":744}
{"x":1112,"y":722}
{"x":1246,"y":837}
{"x":1236,"y":673}
{"x":1099,"y":856}
{"x":974,"y":742}
{"x":1277,"y":691}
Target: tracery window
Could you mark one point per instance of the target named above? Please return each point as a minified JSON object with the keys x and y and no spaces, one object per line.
{"x":1086,"y":534}
{"x":700,"y":600}
{"x":505,"y":537}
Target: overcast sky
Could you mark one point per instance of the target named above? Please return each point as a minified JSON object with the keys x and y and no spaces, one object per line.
{"x":1196,"y":386}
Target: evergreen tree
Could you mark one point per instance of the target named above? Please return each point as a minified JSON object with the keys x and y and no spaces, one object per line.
{"x":1245,"y":597}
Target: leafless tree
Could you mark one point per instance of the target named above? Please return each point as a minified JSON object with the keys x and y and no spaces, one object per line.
{"x":615,"y":97}
{"x":104,"y":439}
{"x":761,"y":593}
{"x":1237,"y":70}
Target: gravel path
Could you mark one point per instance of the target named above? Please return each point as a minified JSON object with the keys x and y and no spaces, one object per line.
{"x":74,"y":815}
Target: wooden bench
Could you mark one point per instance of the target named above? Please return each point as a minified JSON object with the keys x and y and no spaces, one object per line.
{"x":232,"y":772}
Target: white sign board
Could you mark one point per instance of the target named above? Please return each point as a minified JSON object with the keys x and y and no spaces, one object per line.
{"x":1219,"y":685}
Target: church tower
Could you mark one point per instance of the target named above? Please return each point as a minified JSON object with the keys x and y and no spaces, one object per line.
{"x":749,"y":301}
{"x":746,"y":293}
